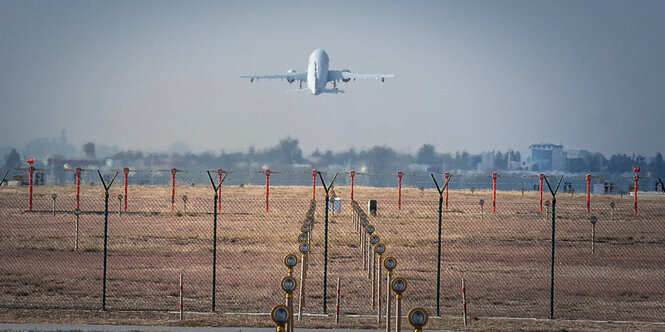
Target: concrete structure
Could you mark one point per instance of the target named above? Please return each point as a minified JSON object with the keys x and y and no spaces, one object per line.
{"x":548,"y":157}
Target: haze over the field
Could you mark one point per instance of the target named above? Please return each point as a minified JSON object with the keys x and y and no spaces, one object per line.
{"x":471,"y":75}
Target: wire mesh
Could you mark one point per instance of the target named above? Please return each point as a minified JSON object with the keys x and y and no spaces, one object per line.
{"x":504,"y":256}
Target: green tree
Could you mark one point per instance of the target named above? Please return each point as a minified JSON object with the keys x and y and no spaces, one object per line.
{"x":12,"y":160}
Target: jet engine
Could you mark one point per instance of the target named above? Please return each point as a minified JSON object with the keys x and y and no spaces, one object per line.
{"x":290,"y":71}
{"x":346,"y":79}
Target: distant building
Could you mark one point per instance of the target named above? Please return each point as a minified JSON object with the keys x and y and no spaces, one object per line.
{"x":547,"y":157}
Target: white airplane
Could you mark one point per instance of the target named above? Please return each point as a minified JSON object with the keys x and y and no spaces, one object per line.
{"x":317,"y":75}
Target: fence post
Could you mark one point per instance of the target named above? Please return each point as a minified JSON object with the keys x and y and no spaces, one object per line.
{"x":125,"y":171}
{"x":540,"y":177}
{"x":31,"y":170}
{"x":78,"y":186}
{"x":352,"y":173}
{"x":588,"y":192}
{"x":106,"y":226}
{"x":636,"y":177}
{"x":267,"y":188}
{"x":494,"y":176}
{"x":219,"y":190}
{"x":438,"y":259}
{"x":399,"y":191}
{"x":325,"y":247}
{"x":553,"y":191}
{"x":173,"y":171}
{"x":447,"y":177}
{"x":314,"y":184}
{"x":215,"y":188}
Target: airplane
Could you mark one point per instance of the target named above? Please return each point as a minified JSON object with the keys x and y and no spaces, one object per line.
{"x":317,"y":75}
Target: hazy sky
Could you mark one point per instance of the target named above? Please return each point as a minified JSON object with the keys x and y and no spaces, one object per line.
{"x":470,"y":75}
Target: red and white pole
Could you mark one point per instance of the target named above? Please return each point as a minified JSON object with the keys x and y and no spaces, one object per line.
{"x":267,"y":188}
{"x":494,"y":176}
{"x":31,"y":170}
{"x":541,"y":176}
{"x":588,"y":192}
{"x":399,"y":190}
{"x":78,"y":185}
{"x":636,"y":177}
{"x":314,"y":184}
{"x":219,"y":190}
{"x":125,"y":172}
{"x":352,"y":173}
{"x":173,"y":171}
{"x":447,"y":177}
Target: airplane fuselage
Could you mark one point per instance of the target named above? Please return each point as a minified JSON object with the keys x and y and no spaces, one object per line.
{"x":317,"y":71}
{"x":317,"y":75}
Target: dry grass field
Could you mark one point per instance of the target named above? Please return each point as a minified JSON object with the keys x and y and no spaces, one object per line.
{"x":504,"y":256}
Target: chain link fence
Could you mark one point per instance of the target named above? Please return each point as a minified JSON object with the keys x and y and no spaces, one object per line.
{"x":51,"y":258}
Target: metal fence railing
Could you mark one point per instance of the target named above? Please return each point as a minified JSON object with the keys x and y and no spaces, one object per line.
{"x":51,"y":258}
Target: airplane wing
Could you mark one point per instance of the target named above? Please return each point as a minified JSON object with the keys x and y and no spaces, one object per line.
{"x":289,"y":76}
{"x":345,"y":75}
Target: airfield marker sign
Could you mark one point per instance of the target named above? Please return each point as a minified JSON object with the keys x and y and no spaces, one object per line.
{"x":399,"y":286}
{"x":418,"y":318}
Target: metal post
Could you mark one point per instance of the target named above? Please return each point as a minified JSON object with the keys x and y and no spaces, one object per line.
{"x":438,"y":261}
{"x":399,"y":191}
{"x":220,"y":172}
{"x":588,"y":192}
{"x":325,"y":247}
{"x":125,"y":172}
{"x":447,"y":177}
{"x":373,"y":273}
{"x":438,"y":258}
{"x":301,"y":293}
{"x":636,"y":177}
{"x":106,"y":223}
{"x":181,"y":296}
{"x":378,"y":289}
{"x":337,"y":303}
{"x":54,"y":196}
{"x":540,"y":177}
{"x":494,"y":176}
{"x":398,"y":312}
{"x":314,"y":184}
{"x":464,"y":300}
{"x":31,"y":170}
{"x":215,"y":188}
{"x":593,"y":238}
{"x":78,"y":186}
{"x":214,"y":251}
{"x":352,"y":173}
{"x":267,"y":188}
{"x":553,"y":191}
{"x":173,"y":171}
{"x":388,"y":300}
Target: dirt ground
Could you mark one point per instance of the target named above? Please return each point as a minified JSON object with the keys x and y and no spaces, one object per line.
{"x":504,"y":257}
